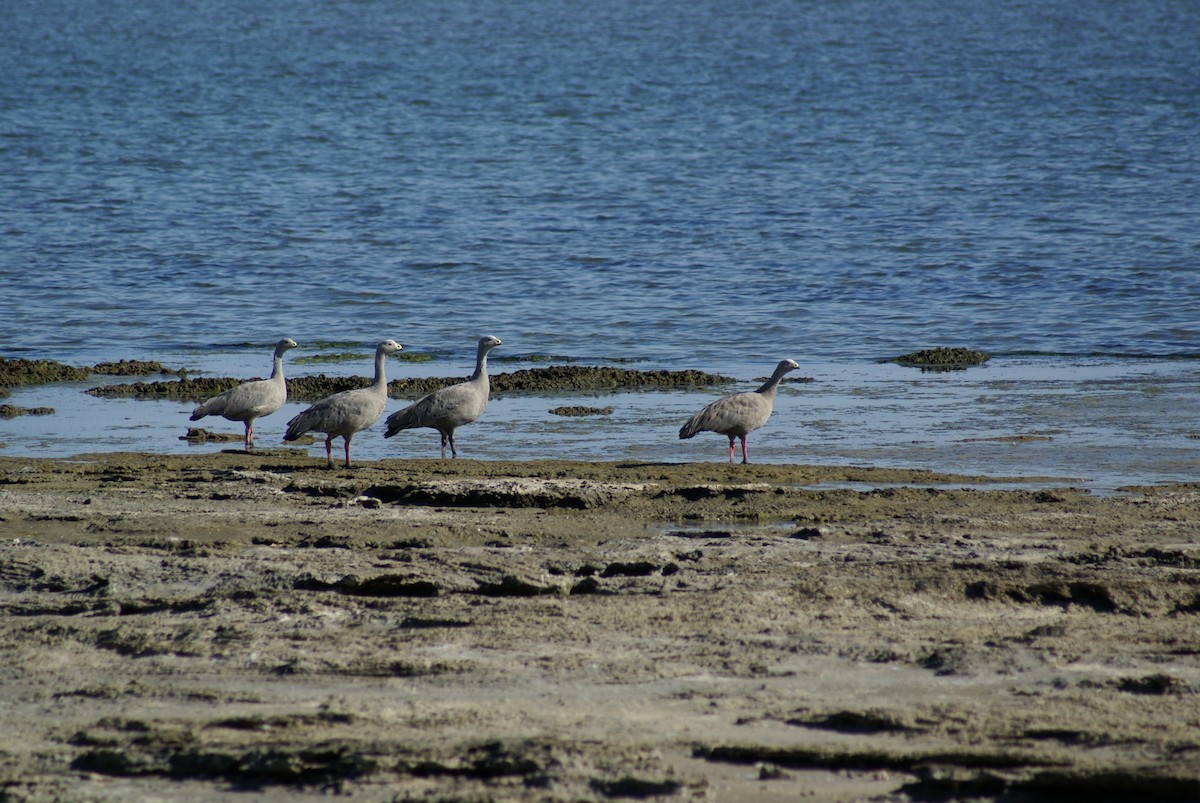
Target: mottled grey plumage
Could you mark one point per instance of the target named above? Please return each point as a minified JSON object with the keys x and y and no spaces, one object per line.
{"x":347,"y":412}
{"x":738,"y":415}
{"x":449,"y":408}
{"x":251,"y":400}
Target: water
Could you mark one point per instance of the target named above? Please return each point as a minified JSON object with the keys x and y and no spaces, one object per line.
{"x":712,"y":185}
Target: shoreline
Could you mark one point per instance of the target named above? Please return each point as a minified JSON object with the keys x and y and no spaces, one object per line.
{"x":1103,"y":426}
{"x":191,"y":626}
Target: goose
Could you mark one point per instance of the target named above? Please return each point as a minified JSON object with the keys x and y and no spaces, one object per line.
{"x":738,"y":415}
{"x":251,"y":400}
{"x":347,"y":412}
{"x":450,"y":407}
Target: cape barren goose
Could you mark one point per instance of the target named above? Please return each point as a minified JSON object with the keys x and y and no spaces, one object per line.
{"x":449,"y":408}
{"x":251,"y":400}
{"x":738,"y":415}
{"x":347,"y":412}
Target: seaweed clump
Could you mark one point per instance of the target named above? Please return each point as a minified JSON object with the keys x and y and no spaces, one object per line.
{"x":942,"y":359}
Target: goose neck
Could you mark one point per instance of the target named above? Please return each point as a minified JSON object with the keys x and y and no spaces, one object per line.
{"x":771,"y":385}
{"x":380,"y":378}
{"x":480,"y":365}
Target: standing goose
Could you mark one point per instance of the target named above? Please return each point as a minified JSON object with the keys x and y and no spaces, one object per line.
{"x":738,"y":415}
{"x":251,"y":400}
{"x":449,"y":408}
{"x":347,"y":412}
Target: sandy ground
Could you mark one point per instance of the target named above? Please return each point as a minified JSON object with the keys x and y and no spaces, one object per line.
{"x":202,"y":626}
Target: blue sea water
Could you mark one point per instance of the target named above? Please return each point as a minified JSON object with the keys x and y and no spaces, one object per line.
{"x":707,"y":184}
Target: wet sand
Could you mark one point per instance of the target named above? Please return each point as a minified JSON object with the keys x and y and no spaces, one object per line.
{"x":189,"y":627}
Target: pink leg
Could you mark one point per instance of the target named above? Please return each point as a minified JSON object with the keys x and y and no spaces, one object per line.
{"x":249,"y":436}
{"x":744,"y":458}
{"x":731,"y":439}
{"x":329,"y":449}
{"x":347,"y":439}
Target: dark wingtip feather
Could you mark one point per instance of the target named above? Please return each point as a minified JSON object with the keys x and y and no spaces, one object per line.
{"x":295,"y":428}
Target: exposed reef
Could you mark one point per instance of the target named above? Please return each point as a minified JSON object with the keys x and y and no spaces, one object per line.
{"x":579,"y":410}
{"x":941,"y":359}
{"x":19,"y":373}
{"x":311,"y":388}
{"x":134,"y":368}
{"x":12,"y":411}
{"x":200,"y":435}
{"x":22,"y":373}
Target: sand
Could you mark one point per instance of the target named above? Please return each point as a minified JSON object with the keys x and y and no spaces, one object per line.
{"x":197,"y":627}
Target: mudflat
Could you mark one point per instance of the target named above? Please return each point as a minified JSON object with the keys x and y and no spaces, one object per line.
{"x":194,"y":627}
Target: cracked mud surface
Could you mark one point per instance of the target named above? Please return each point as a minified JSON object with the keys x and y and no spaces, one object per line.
{"x":197,"y":626}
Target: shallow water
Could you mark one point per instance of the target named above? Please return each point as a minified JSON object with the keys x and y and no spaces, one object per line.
{"x":699,"y":182}
{"x":1086,"y":422}
{"x":709,"y":185}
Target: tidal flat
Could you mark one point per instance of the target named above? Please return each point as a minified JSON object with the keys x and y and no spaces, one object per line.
{"x":183,"y":627}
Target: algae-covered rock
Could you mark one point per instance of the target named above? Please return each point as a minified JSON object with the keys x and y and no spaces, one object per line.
{"x":182,"y":389}
{"x":943,"y":359}
{"x":21,"y":373}
{"x":347,"y":357}
{"x":558,"y":378}
{"x":18,"y":373}
{"x":584,"y":377}
{"x":133,"y":368}
{"x":532,"y":380}
{"x":581,"y":410}
{"x":12,"y":411}
{"x":200,"y":435}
